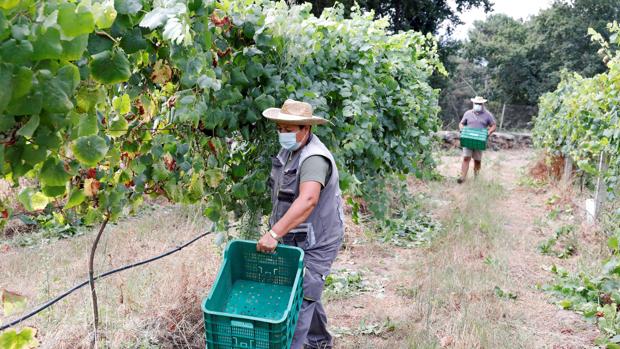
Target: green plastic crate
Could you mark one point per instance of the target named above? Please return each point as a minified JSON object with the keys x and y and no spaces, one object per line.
{"x":474,"y":138}
{"x":256,"y":298}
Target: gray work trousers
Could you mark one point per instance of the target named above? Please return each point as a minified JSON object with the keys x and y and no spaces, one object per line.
{"x":311,"y":327}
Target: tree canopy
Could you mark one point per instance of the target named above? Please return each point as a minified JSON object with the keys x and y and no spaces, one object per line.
{"x":426,"y":16}
{"x":525,"y":58}
{"x":517,"y":61}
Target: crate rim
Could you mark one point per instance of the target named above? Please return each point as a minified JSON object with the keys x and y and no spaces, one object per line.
{"x":253,"y":318}
{"x":469,"y":128}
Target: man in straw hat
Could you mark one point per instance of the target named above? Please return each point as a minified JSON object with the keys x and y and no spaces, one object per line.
{"x":307,"y":212}
{"x":477,"y":117}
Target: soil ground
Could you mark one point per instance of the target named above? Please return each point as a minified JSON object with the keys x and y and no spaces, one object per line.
{"x":474,"y":286}
{"x":444,"y":295}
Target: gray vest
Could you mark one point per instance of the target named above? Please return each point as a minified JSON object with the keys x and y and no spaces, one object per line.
{"x":325,"y":225}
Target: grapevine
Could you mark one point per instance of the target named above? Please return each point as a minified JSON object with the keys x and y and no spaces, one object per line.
{"x":580,"y":119}
{"x":105,"y":103}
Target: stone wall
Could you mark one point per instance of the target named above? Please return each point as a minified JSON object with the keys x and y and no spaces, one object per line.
{"x":498,"y":140}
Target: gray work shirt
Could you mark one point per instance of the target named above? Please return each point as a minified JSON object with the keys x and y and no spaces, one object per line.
{"x":483,"y":119}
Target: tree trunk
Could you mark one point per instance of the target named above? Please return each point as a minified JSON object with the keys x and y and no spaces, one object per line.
{"x":91,"y":281}
{"x":398,"y":20}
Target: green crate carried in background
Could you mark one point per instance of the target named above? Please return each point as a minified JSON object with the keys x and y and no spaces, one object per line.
{"x":256,"y":298}
{"x":474,"y":138}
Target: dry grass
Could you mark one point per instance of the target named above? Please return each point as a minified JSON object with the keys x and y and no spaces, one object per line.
{"x":444,"y":296}
{"x":139,"y":306}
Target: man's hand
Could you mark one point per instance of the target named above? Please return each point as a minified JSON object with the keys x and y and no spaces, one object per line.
{"x":267,"y":244}
{"x":492,"y":129}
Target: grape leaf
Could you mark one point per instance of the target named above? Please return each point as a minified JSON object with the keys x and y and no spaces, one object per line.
{"x":239,"y":191}
{"x":176,"y":31}
{"x":47,"y":44}
{"x":69,"y":78}
{"x":12,"y":302}
{"x":128,"y":7}
{"x":16,"y":51}
{"x":54,"y":191}
{"x":72,"y":50}
{"x":209,"y":82}
{"x":156,"y":17}
{"x":214,"y":177}
{"x":22,"y":82}
{"x":104,"y":14}
{"x":110,"y":67}
{"x":55,"y":99}
{"x":76,"y":197}
{"x":88,"y":98}
{"x":33,"y":154}
{"x":24,"y":339}
{"x":5,"y":32}
{"x":264,"y":101}
{"x":238,"y":78}
{"x":99,"y":43}
{"x":28,"y":129}
{"x":251,"y":116}
{"x":20,"y":31}
{"x":213,"y":211}
{"x":122,"y":104}
{"x":90,"y":150}
{"x":8,"y":4}
{"x":75,"y":21}
{"x":27,"y":105}
{"x":133,"y":41}
{"x":118,"y":127}
{"x":31,"y":200}
{"x":6,"y":90}
{"x":88,"y":125}
{"x":53,"y":173}
{"x":46,"y":139}
{"x":6,"y":123}
{"x":91,"y":187}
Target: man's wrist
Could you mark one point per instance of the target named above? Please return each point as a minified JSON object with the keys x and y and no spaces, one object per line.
{"x":273,"y":234}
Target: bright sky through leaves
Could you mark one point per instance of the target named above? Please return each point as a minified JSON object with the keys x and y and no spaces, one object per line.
{"x":515,"y":9}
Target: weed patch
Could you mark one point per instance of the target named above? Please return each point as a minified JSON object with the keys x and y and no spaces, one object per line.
{"x":410,"y":228}
{"x":563,"y":243}
{"x":345,"y":283}
{"x":594,"y":295}
{"x":402,"y":219}
{"x":503,"y":294}
{"x":366,"y":329}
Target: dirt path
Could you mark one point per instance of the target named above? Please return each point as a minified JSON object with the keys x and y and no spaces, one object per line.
{"x":457,"y":292}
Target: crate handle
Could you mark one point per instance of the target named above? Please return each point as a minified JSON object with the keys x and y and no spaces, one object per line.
{"x":243,"y":344}
{"x":242,"y":324}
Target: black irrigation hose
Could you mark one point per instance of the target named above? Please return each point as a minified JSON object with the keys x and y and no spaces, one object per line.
{"x":100,"y":276}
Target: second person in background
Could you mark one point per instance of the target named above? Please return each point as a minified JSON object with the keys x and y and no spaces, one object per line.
{"x":477,"y":117}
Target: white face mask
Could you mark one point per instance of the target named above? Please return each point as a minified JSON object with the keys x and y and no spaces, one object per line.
{"x":477,"y":108}
{"x":288,"y":140}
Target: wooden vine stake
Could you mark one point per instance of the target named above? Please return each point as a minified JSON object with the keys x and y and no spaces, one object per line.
{"x":501,"y":121}
{"x":601,"y":187}
{"x":568,"y":169}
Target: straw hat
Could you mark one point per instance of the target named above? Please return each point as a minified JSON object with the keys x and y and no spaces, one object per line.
{"x":478,"y":100}
{"x":294,"y":113}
